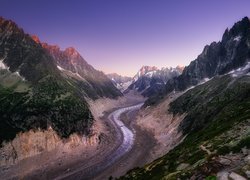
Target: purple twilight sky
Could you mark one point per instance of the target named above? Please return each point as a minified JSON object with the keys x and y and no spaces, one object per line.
{"x":122,"y":35}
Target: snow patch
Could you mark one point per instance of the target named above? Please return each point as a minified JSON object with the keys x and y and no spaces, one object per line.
{"x":245,"y":70}
{"x":2,"y":65}
{"x":78,"y":75}
{"x":247,"y":67}
{"x":60,"y":68}
{"x":125,"y":85}
{"x":240,"y":71}
{"x":73,"y":74}
{"x":237,"y":38}
{"x":139,"y":73}
{"x":150,"y":74}
{"x":200,"y":83}
{"x":18,"y":74}
{"x":191,"y":88}
{"x":206,"y":79}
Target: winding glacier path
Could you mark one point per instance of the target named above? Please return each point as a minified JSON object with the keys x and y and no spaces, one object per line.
{"x":124,"y":136}
{"x":128,"y":136}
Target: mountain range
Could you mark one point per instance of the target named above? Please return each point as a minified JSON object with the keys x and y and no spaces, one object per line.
{"x":147,"y":81}
{"x":206,"y":103}
{"x":150,"y":80}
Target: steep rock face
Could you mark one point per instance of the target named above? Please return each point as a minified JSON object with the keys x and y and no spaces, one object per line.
{"x":150,"y":80}
{"x":216,"y":59}
{"x":34,"y":142}
{"x":121,"y":82}
{"x":93,"y":83}
{"x":16,"y":52}
{"x":28,"y":144}
{"x":33,"y":93}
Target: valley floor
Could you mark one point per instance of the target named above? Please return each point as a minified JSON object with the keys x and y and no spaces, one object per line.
{"x":57,"y":164}
{"x":139,"y":155}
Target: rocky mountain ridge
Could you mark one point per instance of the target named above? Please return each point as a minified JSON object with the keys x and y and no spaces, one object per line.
{"x":150,"y":80}
{"x":218,"y":58}
{"x":93,"y":83}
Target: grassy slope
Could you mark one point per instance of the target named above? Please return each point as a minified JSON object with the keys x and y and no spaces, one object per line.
{"x":50,"y":102}
{"x":217,"y":112}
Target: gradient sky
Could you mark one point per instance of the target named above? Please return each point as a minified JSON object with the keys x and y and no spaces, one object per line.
{"x":122,"y":35}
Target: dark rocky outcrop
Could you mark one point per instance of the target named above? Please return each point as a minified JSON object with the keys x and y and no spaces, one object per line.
{"x":217,"y":117}
{"x":218,"y":58}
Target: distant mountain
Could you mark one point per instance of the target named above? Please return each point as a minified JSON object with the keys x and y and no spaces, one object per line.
{"x":121,"y":82}
{"x":93,"y":83}
{"x":218,"y":58}
{"x":149,"y":80}
{"x":145,"y":71}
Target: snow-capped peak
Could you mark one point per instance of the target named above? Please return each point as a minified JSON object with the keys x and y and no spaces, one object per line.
{"x":150,"y":74}
{"x":145,"y":70}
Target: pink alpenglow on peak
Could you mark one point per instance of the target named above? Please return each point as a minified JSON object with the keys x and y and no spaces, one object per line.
{"x":55,"y":49}
{"x":36,"y":39}
{"x":72,"y":52}
{"x":180,"y":67}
